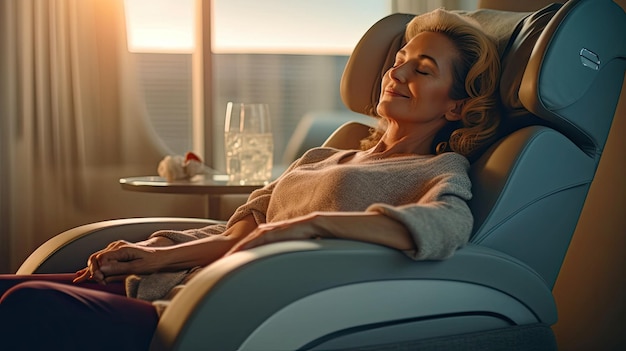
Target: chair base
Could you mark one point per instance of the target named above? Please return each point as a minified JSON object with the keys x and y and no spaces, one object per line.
{"x":535,"y":337}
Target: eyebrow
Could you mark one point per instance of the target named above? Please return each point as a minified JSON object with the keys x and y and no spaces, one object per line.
{"x":422,"y":56}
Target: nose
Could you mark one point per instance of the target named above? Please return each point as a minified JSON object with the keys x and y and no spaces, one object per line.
{"x":397,"y":73}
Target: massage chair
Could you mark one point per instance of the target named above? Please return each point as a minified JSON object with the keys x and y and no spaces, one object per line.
{"x":562,"y":72}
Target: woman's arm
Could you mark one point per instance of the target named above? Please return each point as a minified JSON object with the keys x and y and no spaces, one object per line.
{"x":370,"y":227}
{"x":204,"y":251}
{"x":156,"y":241}
{"x":121,"y":258}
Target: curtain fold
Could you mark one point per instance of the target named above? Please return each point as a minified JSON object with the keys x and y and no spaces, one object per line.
{"x":72,"y":123}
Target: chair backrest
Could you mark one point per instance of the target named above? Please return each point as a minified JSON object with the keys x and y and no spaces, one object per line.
{"x":562,"y":71}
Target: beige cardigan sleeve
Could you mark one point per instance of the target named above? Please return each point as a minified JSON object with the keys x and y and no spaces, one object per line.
{"x":441,"y":221}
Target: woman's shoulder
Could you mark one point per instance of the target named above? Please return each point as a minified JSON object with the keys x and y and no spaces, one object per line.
{"x":450,"y":161}
{"x":453,"y":158}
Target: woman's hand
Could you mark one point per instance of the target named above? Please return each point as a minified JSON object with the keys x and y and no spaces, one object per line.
{"x":300,"y":228}
{"x":118,"y":260}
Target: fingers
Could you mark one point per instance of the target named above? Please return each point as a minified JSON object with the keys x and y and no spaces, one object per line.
{"x":89,"y":273}
{"x":82,"y":275}
{"x":129,"y":259}
{"x":117,"y":243}
{"x":104,"y":258}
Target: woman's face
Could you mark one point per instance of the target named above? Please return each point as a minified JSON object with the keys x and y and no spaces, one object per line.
{"x":416,"y":89}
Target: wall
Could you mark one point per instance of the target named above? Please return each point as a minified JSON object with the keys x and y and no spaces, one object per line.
{"x":591,"y":288}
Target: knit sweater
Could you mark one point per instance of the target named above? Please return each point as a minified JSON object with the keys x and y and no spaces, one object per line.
{"x":427,"y":194}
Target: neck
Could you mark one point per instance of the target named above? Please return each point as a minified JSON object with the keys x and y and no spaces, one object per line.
{"x":403,"y":139}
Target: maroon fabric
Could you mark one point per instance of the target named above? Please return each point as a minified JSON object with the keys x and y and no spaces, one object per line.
{"x":48,"y":312}
{"x":9,"y":280}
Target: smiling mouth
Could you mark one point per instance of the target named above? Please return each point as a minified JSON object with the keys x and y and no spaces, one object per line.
{"x":394,"y":93}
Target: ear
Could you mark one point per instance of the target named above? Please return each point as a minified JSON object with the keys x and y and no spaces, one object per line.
{"x":454,"y":113}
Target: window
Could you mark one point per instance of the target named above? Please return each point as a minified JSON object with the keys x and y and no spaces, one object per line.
{"x":287,"y":53}
{"x":324,"y":27}
{"x":161,"y":37}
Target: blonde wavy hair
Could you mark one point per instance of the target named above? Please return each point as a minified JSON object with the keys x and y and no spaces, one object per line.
{"x":476,"y":77}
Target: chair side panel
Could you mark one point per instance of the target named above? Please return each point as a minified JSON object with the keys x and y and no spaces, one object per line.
{"x":529,"y":190}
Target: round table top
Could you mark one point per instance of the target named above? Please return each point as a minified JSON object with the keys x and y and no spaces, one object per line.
{"x":200,"y":184}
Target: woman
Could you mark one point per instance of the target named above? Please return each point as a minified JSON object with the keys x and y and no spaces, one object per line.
{"x":410,"y":182}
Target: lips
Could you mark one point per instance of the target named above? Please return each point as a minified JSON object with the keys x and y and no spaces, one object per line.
{"x":395,"y":93}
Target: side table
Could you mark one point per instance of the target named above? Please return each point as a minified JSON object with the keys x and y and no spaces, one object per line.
{"x":212,"y":186}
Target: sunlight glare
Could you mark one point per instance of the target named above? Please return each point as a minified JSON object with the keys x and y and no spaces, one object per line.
{"x":160,"y":25}
{"x":293,"y":26}
{"x":254,"y":26}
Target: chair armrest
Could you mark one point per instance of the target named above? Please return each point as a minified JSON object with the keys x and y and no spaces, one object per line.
{"x":68,"y":252}
{"x":310,"y":289}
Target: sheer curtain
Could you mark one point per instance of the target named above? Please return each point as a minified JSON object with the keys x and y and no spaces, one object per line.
{"x":71,"y":124}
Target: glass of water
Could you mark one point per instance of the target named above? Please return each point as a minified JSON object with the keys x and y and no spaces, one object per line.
{"x":248,"y":143}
